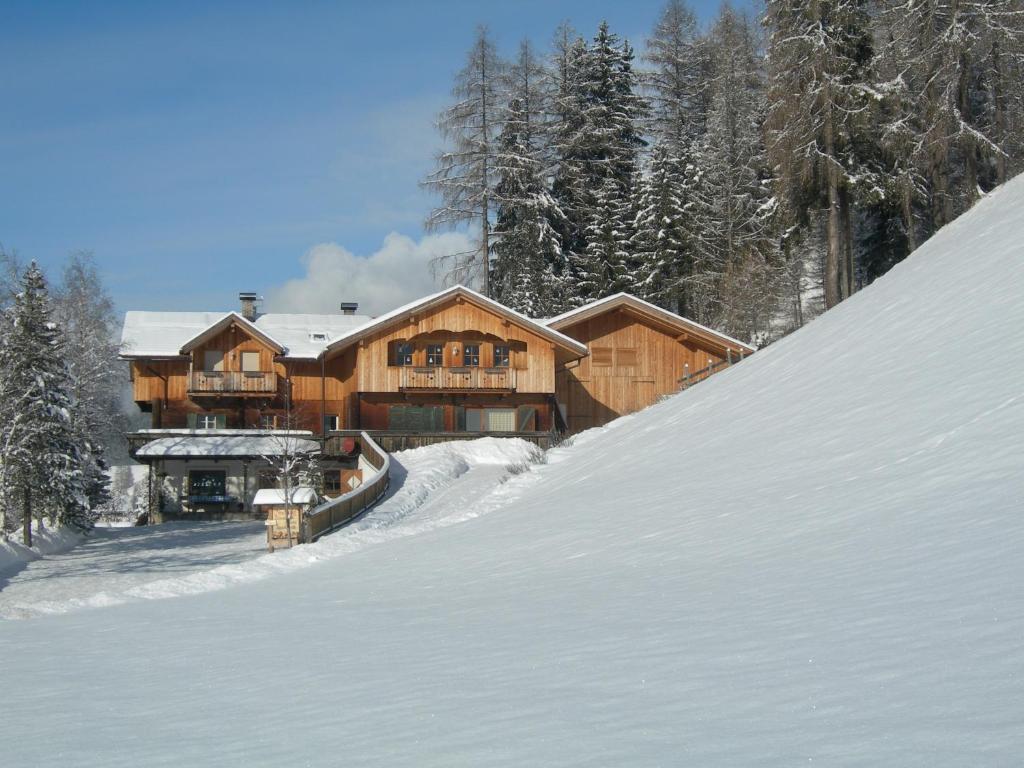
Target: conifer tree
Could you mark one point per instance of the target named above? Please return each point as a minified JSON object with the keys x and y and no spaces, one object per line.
{"x":526,"y":268}
{"x":677,"y":80}
{"x":597,"y":148}
{"x":464,"y":176}
{"x":663,"y":237}
{"x":44,"y":465}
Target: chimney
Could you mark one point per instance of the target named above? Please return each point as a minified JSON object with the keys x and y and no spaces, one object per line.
{"x":349,"y":307}
{"x":248,"y":301}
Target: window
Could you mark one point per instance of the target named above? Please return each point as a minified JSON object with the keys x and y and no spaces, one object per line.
{"x":206,"y":421}
{"x":416,"y":418}
{"x":502,"y":358}
{"x":331,"y":423}
{"x":601,"y":356}
{"x":435,"y":355}
{"x":471,"y":354}
{"x":403,"y":353}
{"x":213,"y":360}
{"x":207,"y":484}
{"x":490,"y":420}
{"x":626,"y":358}
{"x":268,"y":421}
{"x":332,"y":481}
{"x":251,"y":361}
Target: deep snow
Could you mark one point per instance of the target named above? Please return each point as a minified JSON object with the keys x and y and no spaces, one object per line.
{"x":812,"y":558}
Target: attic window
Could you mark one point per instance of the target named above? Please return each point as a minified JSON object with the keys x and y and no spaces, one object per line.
{"x":318,"y":336}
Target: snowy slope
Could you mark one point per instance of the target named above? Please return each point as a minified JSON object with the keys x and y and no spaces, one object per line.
{"x":813,"y":558}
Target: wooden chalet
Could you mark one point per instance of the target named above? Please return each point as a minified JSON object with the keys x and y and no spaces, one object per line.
{"x":228,"y":390}
{"x":637,"y":353}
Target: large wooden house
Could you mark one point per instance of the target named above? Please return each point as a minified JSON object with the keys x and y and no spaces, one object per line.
{"x":637,"y":353}
{"x":227,"y":390}
{"x":223,"y":389}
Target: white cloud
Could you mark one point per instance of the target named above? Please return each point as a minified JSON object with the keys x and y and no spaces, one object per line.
{"x":395,"y":274}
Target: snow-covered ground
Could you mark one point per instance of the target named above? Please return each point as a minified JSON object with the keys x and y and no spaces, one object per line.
{"x":431,"y":486}
{"x":813,"y":558}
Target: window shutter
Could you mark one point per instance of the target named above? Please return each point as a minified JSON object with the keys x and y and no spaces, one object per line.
{"x":222,"y":421}
{"x":190,"y":420}
{"x":601,"y":356}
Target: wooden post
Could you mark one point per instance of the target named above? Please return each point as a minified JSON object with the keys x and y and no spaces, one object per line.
{"x":26,"y":518}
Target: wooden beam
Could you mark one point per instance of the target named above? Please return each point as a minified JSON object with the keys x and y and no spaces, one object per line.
{"x":683,"y":337}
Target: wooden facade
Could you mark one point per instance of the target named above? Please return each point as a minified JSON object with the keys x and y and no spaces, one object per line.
{"x":454,"y":362}
{"x":638,"y":353}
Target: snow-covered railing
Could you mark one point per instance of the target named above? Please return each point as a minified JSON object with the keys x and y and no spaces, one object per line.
{"x":334,"y":513}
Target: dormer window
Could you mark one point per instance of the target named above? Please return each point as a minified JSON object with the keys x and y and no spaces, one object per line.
{"x":320,"y":336}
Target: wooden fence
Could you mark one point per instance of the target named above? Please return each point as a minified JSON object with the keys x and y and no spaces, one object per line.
{"x":337,"y":512}
{"x":689,"y":379}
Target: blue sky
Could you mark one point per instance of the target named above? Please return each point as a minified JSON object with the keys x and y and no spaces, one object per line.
{"x":199,"y":149}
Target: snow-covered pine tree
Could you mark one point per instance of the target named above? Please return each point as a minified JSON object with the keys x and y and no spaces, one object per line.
{"x":606,"y":265}
{"x":43,"y":466}
{"x":663,"y":236}
{"x":597,"y":141}
{"x":818,"y":62}
{"x":464,"y":176}
{"x":677,"y":79}
{"x":526,"y":267}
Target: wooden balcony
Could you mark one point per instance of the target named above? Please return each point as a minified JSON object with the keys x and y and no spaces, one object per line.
{"x":240,"y":383}
{"x":465,"y":379}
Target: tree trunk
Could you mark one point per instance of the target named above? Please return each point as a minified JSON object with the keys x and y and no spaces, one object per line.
{"x":999,"y":105}
{"x":846,"y":284}
{"x":26,"y":517}
{"x":907,"y":204}
{"x":971,"y":151}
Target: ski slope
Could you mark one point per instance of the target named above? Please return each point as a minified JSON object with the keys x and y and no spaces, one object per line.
{"x":813,"y":558}
{"x":431,"y":486}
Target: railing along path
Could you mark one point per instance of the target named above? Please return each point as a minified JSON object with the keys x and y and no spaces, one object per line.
{"x":337,"y":512}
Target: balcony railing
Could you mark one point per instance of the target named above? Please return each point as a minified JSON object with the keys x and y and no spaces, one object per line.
{"x":233,"y":382}
{"x":464,"y":378}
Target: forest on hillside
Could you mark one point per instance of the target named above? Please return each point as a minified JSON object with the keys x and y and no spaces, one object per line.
{"x":746,"y":175}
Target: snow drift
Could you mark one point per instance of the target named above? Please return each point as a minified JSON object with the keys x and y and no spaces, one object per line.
{"x":812,"y":558}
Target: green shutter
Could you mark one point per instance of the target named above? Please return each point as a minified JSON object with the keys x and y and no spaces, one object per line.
{"x":190,"y":420}
{"x":222,"y":421}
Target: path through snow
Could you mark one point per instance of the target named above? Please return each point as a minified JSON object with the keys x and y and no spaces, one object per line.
{"x":432,"y":486}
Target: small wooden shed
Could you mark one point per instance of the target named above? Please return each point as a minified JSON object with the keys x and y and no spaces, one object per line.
{"x":284,"y":516}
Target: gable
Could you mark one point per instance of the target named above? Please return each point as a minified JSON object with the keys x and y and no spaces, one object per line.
{"x":468,"y":308}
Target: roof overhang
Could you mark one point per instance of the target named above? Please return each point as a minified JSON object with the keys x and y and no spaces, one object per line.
{"x":571,"y":347}
{"x":230,"y":319}
{"x":683,"y":327}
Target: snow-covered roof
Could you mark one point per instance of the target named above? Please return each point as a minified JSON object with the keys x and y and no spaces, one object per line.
{"x":300,"y":495}
{"x":232,"y":318}
{"x":600,"y":306}
{"x":440,"y":297}
{"x":220,"y":446}
{"x":164,"y":334}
